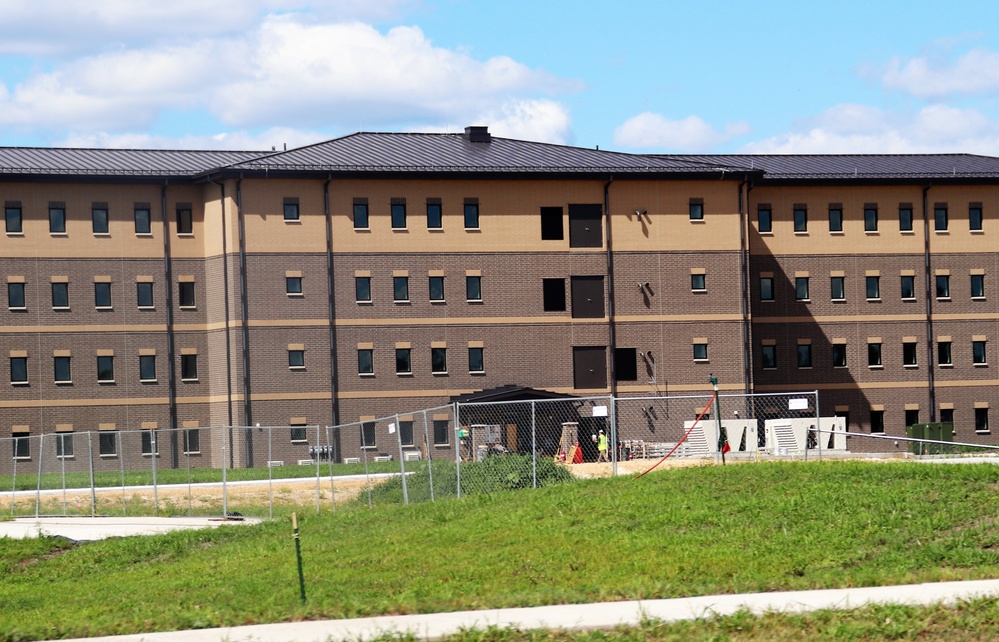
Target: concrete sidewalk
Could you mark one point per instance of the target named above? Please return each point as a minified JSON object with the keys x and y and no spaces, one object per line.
{"x":88,"y":529}
{"x":578,"y":616}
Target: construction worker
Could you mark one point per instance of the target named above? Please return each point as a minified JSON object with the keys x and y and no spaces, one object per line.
{"x":602,"y":447}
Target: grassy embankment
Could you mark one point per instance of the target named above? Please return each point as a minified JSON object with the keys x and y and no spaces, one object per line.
{"x":694,"y":531}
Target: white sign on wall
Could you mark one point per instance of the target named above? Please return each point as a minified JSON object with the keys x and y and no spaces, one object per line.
{"x":797,"y":404}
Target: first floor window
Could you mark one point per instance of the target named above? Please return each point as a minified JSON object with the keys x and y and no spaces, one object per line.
{"x":64,"y":445}
{"x":438,"y":360}
{"x":476,"y":363}
{"x":442,"y":432}
{"x":105,"y":369}
{"x":189,"y":367}
{"x":192,"y":441}
{"x":107,"y":442}
{"x":149,"y":445}
{"x":403,"y":361}
{"x":368,"y":434}
{"x":365,"y":361}
{"x":700,"y":352}
{"x":981,"y":419}
{"x":298,"y":434}
{"x":406,"y":433}
{"x":805,"y":355}
{"x":877,"y":421}
{"x":22,"y":447}
{"x":873,"y":354}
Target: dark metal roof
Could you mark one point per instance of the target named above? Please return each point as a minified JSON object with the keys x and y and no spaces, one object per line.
{"x":857,"y":166}
{"x":509,"y":392}
{"x":115,"y":162}
{"x":372,"y":152}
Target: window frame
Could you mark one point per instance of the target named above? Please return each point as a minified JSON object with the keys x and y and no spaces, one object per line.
{"x":698,"y":282}
{"x":835,"y":219}
{"x":979,"y":355}
{"x":296,"y":358}
{"x":839,"y":355}
{"x":185,"y":221}
{"x":291,"y":211}
{"x":941,"y":218}
{"x":102,"y":295}
{"x":695,"y":209}
{"x":186,"y":297}
{"x":942,"y":287}
{"x":982,"y":421}
{"x":765,"y":220}
{"x":361,"y":215}
{"x":189,"y":367}
{"x":62,"y":368}
{"x":143,"y":226}
{"x":140,"y":287}
{"x":19,"y":371}
{"x":700,"y":351}
{"x":912,"y":287}
{"x":910,"y":354}
{"x":293,"y":286}
{"x":400,"y":289}
{"x":15,"y":290}
{"x":977,"y":286}
{"x":397,"y":210}
{"x":64,"y":445}
{"x":147,"y":368}
{"x":60,"y":295}
{"x":14,"y":214}
{"x":362,"y":283}
{"x":471,"y":289}
{"x":801,"y":288}
{"x":438,"y":360}
{"x":105,"y":369}
{"x":768,"y":357}
{"x":800,"y":219}
{"x":107,"y":443}
{"x":804,"y":354}
{"x":471,"y":214}
{"x":435,"y":214}
{"x":976,"y":218}
{"x":773,"y":294}
{"x":870,"y":219}
{"x":105,"y":221}
{"x":365,"y":362}
{"x":872,"y":287}
{"x":905,"y":218}
{"x":875,"y":355}
{"x":57,"y":220}
{"x":837,"y":285}
{"x":436,"y":294}
{"x":945,"y":353}
{"x":877,"y":422}
{"x":476,"y":356}
{"x":404,"y":361}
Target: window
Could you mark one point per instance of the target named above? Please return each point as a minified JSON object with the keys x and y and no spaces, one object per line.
{"x":99,"y":219}
{"x":57,"y":220}
{"x":365,"y":361}
{"x":368,"y":434}
{"x":144,"y":294}
{"x":398,"y":213}
{"x":801,"y":288}
{"x":700,"y":351}
{"x":978,"y":353}
{"x":189,"y":367}
{"x":909,"y":354}
{"x":835,"y":219}
{"x":102,"y":295}
{"x":105,"y":369}
{"x":435,"y":217}
{"x":107,"y":443}
{"x":63,"y":372}
{"x":766,"y":288}
{"x":22,"y":446}
{"x":473,"y":288}
{"x":19,"y":370}
{"x":911,"y":416}
{"x":947,"y":416}
{"x":696,"y":209}
{"x":981,"y":419}
{"x":804,"y":355}
{"x":870,"y":219}
{"x":362,"y":289}
{"x":143,"y":223}
{"x":291,"y":212}
{"x":764,"y":219}
{"x":978,"y":286}
{"x":192,"y":441}
{"x":15,"y":296}
{"x":186,"y":292}
{"x":360,"y":213}
{"x":552,"y":228}
{"x":837,"y":288}
{"x":149,"y":445}
{"x":64,"y":445}
{"x":442,"y":432}
{"x":60,"y":295}
{"x":768,"y":357}
{"x":944,"y":355}
{"x":185,"y":220}
{"x":406,"y":433}
{"x":553,"y":292}
{"x":874,"y":355}
{"x":908,"y":287}
{"x":476,"y":362}
{"x":940,"y":218}
{"x":296,"y":359}
{"x":437,"y":288}
{"x":400,"y":289}
{"x":975,"y":217}
{"x":943,"y":286}
{"x":438,"y":360}
{"x":698,"y":282}
{"x":626,"y":364}
{"x":800,"y":219}
{"x":403,"y":361}
{"x":905,"y":218}
{"x":147,"y":367}
{"x":873,"y":287}
{"x":298,"y":434}
{"x":877,"y":421}
{"x":293,"y":285}
{"x":14,"y":219}
{"x":839,"y":355}
{"x":471,"y":214}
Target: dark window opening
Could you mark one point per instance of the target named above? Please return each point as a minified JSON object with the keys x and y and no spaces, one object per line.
{"x":626,"y":364}
{"x":551,"y":224}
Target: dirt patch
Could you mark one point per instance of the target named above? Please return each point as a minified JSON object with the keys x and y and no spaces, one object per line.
{"x":632,"y":467}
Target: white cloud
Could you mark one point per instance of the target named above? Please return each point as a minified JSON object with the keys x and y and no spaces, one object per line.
{"x":691,"y":134}
{"x":544,"y":121}
{"x":274,"y":138}
{"x":858,"y":129}
{"x":974,"y":73}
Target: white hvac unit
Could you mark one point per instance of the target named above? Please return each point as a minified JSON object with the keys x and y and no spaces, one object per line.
{"x":412,"y":456}
{"x":275,"y":463}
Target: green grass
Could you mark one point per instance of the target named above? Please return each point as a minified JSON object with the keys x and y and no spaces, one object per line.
{"x":692,"y":531}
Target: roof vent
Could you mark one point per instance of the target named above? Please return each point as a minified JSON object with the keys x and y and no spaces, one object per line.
{"x":478,"y":134}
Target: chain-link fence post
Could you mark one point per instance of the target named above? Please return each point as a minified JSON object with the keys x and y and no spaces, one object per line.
{"x":612,"y":408}
{"x":534,"y":444}
{"x":225,"y":460}
{"x":402,"y":461}
{"x":90,"y":461}
{"x":329,"y":466}
{"x":457,"y":449}
{"x":818,"y":423}
{"x":430,"y":459}
{"x":38,"y":487}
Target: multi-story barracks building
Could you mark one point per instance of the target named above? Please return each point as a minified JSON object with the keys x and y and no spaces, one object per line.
{"x":379,"y":273}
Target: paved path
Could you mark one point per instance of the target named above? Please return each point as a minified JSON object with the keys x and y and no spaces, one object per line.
{"x":577,"y":616}
{"x":88,"y":529}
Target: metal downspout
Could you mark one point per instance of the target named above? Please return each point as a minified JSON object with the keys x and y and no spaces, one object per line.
{"x":225,"y":302}
{"x":331,"y":304}
{"x":927,"y":269}
{"x":171,"y":350}
{"x":747,"y":361}
{"x":245,"y":323}
{"x":611,"y":333}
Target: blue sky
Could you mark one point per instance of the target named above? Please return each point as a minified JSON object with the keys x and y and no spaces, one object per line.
{"x":881,"y":76}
